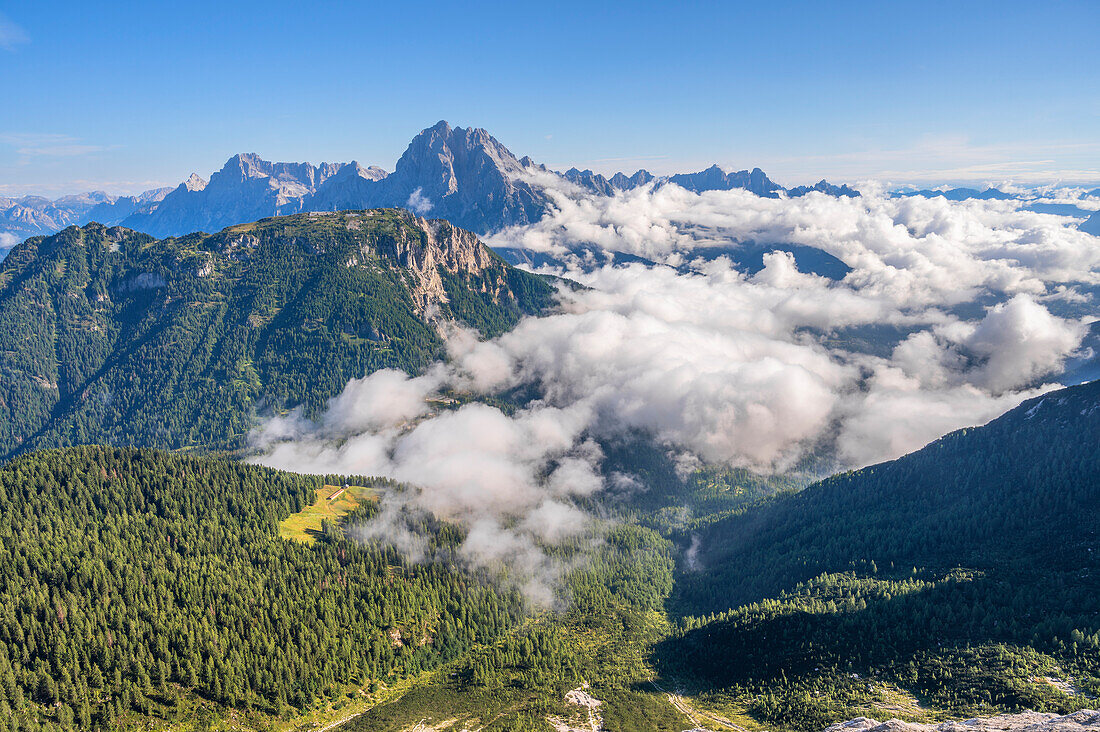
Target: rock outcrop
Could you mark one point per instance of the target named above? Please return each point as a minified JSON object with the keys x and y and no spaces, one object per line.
{"x":1082,"y":721}
{"x":429,"y":247}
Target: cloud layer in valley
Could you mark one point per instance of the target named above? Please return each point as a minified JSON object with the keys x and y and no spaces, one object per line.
{"x":951,"y":314}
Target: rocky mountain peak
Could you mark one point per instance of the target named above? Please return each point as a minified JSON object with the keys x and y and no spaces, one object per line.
{"x":245,"y":165}
{"x":824,"y":186}
{"x":592,"y":181}
{"x":622,"y":182}
{"x":444,"y":153}
{"x":463,"y":174}
{"x":440,"y":127}
{"x":194,"y":183}
{"x":715,"y":178}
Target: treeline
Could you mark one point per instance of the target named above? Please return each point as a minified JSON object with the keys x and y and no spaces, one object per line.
{"x":130,"y":577}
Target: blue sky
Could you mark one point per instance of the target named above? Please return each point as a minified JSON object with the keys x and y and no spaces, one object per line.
{"x":125,"y":96}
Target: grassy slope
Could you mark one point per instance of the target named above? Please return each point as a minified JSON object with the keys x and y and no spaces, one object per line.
{"x":305,"y":526}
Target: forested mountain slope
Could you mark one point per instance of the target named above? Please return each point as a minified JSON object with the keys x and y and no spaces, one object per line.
{"x":1022,"y":492}
{"x":110,"y":336}
{"x":966,"y":573}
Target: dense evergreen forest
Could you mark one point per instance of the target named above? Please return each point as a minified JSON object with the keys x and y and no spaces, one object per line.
{"x":109,"y":336}
{"x":131,"y":578}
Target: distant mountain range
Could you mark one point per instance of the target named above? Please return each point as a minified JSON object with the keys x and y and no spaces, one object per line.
{"x":35,"y":215}
{"x":962,"y":194}
{"x":746,"y":257}
{"x":1092,"y":226}
{"x":464,"y":175}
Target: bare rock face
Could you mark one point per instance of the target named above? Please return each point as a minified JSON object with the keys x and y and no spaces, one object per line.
{"x":459,"y":250}
{"x":347,"y":189}
{"x":1083,"y":721}
{"x":442,"y":247}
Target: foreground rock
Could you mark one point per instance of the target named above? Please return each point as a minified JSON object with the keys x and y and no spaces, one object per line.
{"x":1083,"y":721}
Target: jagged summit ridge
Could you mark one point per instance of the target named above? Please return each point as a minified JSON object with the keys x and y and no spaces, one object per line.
{"x":246,"y":188}
{"x":715,"y":178}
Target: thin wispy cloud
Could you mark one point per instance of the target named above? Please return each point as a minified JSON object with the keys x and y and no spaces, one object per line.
{"x":47,"y":145}
{"x":12,"y":36}
{"x":82,"y":185}
{"x":956,"y":158}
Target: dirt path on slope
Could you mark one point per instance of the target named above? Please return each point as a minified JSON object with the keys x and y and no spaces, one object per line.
{"x":698,"y":717}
